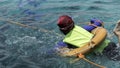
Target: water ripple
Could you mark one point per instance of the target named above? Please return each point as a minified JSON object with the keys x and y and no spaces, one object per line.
{"x":22,"y":47}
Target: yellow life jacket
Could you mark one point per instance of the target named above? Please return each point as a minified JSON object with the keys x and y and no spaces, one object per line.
{"x":78,"y":36}
{"x":99,"y":49}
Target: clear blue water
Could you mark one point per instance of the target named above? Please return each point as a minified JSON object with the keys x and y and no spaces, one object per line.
{"x":23,"y":47}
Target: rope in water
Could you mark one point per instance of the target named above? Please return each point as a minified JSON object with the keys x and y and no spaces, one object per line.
{"x":80,"y":56}
{"x":93,"y":63}
{"x":44,"y":30}
{"x":32,"y":27}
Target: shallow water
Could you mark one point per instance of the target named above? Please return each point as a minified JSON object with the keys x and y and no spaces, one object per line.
{"x":26,"y":47}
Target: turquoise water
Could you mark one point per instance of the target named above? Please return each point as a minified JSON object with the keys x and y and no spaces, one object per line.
{"x":25,"y":47}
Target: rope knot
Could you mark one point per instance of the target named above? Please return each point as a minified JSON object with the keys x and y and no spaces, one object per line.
{"x":80,"y":55}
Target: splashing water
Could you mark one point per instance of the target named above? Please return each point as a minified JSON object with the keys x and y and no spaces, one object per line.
{"x":22,"y":47}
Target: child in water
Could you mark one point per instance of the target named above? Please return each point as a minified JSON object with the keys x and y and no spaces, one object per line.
{"x":66,"y":25}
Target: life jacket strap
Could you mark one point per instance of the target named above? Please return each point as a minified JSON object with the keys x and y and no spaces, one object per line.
{"x":96,"y":25}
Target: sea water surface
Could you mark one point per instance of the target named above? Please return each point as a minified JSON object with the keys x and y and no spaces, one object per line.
{"x":24,"y":46}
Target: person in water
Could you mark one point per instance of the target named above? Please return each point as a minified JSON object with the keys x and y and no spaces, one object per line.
{"x":67,"y":25}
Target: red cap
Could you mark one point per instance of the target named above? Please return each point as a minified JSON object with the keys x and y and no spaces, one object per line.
{"x":64,"y":21}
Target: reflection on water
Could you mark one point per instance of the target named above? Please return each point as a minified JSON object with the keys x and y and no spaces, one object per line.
{"x":22,"y":47}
